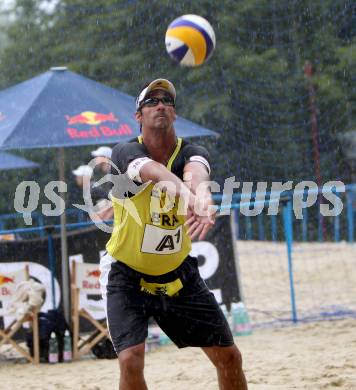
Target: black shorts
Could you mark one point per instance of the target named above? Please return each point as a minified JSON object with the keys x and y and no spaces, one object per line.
{"x":191,"y":318}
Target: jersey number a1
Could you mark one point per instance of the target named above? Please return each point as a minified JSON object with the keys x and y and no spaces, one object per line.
{"x":168,"y":241}
{"x":161,"y":241}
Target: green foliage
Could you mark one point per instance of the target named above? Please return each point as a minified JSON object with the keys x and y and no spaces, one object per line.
{"x":252,"y":91}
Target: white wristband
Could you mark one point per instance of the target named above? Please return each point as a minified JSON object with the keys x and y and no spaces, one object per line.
{"x":202,"y":160}
{"x":133,"y":170}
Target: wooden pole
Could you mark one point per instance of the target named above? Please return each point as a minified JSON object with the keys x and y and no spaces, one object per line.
{"x":64,"y":248}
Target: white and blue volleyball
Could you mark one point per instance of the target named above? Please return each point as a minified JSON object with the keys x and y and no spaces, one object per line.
{"x":190,"y":40}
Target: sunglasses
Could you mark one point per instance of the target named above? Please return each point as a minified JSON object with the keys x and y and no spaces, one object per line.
{"x":153,"y":101}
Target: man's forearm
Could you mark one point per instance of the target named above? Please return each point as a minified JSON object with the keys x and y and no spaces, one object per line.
{"x":197,"y":178}
{"x":166,"y":180}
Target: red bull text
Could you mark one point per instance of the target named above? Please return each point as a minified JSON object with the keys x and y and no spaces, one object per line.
{"x":4,"y":280}
{"x":97,"y":129}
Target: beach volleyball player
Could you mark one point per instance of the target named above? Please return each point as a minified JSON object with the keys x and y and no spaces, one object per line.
{"x":147,"y":270}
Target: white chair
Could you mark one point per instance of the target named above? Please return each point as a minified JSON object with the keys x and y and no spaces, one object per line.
{"x":85,"y":279}
{"x":18,"y":305}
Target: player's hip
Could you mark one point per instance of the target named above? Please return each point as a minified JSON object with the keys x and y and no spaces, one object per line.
{"x":184,"y":280}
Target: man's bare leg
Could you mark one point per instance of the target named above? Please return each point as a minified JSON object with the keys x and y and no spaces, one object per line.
{"x":228,"y":363}
{"x":131,"y":363}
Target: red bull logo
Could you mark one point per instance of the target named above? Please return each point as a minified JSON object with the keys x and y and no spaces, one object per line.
{"x":90,"y":118}
{"x":98,"y":126}
{"x":94,"y":274}
{"x":5,"y":279}
{"x":92,"y":285}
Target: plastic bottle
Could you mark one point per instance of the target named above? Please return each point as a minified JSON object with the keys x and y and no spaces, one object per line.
{"x":53,"y":349}
{"x":164,"y":339}
{"x":224,"y":310}
{"x":67,"y":347}
{"x":152,"y":341}
{"x":228,"y":316}
{"x":241,"y":321}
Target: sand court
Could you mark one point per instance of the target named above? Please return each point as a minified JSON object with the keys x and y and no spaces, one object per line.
{"x":309,"y":355}
{"x":319,"y":355}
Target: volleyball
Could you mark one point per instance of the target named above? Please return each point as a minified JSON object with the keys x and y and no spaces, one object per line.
{"x":190,"y":40}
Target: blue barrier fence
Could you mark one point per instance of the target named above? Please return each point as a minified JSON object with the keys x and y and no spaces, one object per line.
{"x":312,"y":227}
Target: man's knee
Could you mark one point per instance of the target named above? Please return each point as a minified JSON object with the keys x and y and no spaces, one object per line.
{"x":131,"y":360}
{"x":230,"y":357}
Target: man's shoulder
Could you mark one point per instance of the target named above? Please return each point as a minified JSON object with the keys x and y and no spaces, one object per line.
{"x":190,"y":148}
{"x":132,"y":144}
{"x":125,"y":152}
{"x":121,"y":145}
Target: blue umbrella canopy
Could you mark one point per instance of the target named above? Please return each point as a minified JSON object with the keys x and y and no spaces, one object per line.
{"x":60,"y":108}
{"x":10,"y":161}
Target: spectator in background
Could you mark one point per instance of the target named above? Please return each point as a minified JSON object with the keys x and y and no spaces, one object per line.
{"x":102,"y":163}
{"x":102,"y":157}
{"x":100,"y":193}
{"x":83,"y":176}
{"x":102,"y":207}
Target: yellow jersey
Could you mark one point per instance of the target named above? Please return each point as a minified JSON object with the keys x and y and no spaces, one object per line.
{"x":149,"y":234}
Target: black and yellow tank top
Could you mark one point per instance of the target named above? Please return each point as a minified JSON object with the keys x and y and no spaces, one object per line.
{"x":149,"y":234}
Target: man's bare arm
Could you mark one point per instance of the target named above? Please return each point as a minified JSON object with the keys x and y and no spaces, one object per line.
{"x":202,"y":217}
{"x":199,"y":216}
{"x":158,"y":174}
